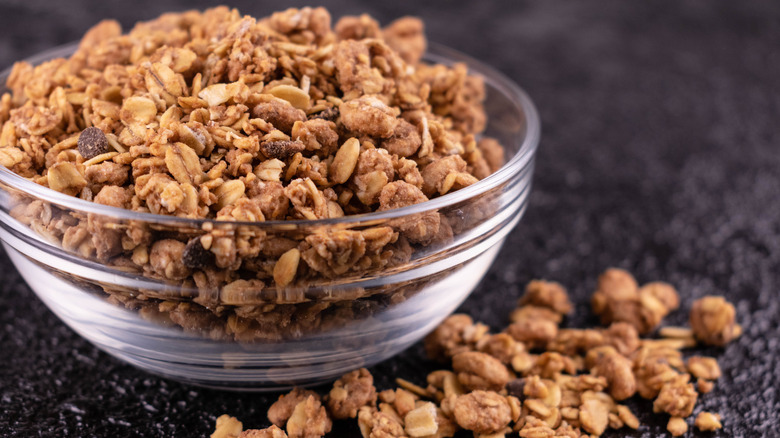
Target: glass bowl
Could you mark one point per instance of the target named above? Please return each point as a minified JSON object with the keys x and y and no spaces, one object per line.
{"x":249,"y":336}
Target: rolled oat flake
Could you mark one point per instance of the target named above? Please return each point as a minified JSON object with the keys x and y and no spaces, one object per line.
{"x":92,"y":142}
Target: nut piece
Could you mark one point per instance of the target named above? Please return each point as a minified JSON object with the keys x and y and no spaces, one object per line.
{"x":704,"y":367}
{"x":677,"y":426}
{"x":377,"y":424}
{"x":350,"y":393}
{"x":713,"y":321}
{"x":421,"y":421}
{"x":227,"y":427}
{"x":282,"y":409}
{"x":286,"y":267}
{"x":534,"y":333}
{"x":345,"y":161}
{"x":707,"y":421}
{"x":297,"y":97}
{"x":480,"y":371}
{"x":628,"y":417}
{"x":482,"y":412}
{"x":92,"y":142}
{"x":594,"y":416}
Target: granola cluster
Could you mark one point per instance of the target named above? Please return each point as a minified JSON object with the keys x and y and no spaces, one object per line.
{"x":214,"y":115}
{"x":535,"y":379}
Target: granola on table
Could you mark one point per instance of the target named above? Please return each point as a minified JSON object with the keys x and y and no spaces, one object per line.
{"x":227,"y":118}
{"x":573,"y":386}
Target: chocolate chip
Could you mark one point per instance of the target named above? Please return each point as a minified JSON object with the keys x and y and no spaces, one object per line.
{"x":281,"y":149}
{"x":195,"y":256}
{"x":92,"y":142}
{"x":515,"y":387}
{"x":329,"y":114}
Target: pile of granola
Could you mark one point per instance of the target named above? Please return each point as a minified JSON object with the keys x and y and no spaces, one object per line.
{"x":215,"y":115}
{"x":534,"y":379}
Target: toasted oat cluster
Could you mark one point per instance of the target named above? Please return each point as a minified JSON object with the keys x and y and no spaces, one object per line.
{"x":218,"y":115}
{"x":534,"y":379}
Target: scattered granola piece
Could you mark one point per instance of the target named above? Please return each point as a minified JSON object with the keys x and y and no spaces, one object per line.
{"x":458,"y":333}
{"x":482,"y":412}
{"x":707,"y":421}
{"x":227,"y":427}
{"x":664,"y":292}
{"x":546,"y":294}
{"x":534,"y":333}
{"x":309,"y":419}
{"x":480,"y":371}
{"x":351,"y":392}
{"x":619,"y":299}
{"x":677,"y":426}
{"x":282,"y":409}
{"x":677,"y":398}
{"x":377,"y":424}
{"x":704,"y":367}
{"x":421,"y":421}
{"x":713,"y":321}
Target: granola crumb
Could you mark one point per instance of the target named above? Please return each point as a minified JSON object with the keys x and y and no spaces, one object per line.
{"x":269,"y":432}
{"x":707,"y":421}
{"x":227,"y":427}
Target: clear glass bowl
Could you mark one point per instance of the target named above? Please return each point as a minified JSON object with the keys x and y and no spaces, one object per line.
{"x":265,"y":338}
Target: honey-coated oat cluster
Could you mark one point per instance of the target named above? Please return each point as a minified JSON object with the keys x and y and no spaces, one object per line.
{"x":534,"y":379}
{"x":218,"y":116}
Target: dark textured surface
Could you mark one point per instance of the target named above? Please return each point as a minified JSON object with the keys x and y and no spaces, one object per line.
{"x":660,"y":154}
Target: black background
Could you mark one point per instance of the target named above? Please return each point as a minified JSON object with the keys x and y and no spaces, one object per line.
{"x":659,"y":154}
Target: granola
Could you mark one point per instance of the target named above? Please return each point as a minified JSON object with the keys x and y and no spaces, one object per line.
{"x":570,"y":387}
{"x":233,"y":119}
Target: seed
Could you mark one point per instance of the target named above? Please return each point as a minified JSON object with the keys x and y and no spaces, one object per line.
{"x":345,"y":161}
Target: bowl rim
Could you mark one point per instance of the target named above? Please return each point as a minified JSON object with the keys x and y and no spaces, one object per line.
{"x":436,"y":52}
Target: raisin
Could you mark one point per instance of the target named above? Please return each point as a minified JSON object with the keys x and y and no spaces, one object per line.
{"x":195,"y":256}
{"x":92,"y":142}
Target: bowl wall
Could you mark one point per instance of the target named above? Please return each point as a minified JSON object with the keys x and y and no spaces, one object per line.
{"x":251,"y":336}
